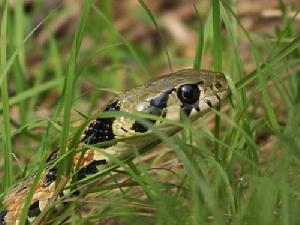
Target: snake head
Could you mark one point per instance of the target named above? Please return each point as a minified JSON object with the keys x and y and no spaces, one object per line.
{"x":186,"y":92}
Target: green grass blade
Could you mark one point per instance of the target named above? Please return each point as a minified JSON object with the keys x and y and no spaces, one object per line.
{"x":64,"y":167}
{"x":217,"y":50}
{"x":265,"y":67}
{"x":19,"y":65}
{"x":7,"y":145}
{"x":217,"y":59}
{"x":130,"y":48}
{"x":4,"y":71}
{"x":262,"y":78}
{"x":200,"y":44}
{"x":44,"y":151}
{"x":33,"y":92}
{"x":159,"y":31}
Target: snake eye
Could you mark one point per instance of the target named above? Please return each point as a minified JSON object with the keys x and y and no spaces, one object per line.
{"x":188,"y":93}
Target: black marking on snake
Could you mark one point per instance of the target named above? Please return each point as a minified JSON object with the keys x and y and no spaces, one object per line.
{"x":187,"y":109}
{"x":138,"y":127}
{"x":19,"y":189}
{"x":161,"y":100}
{"x":34,"y":209}
{"x":50,"y":176}
{"x":157,"y":106}
{"x":52,"y":156}
{"x":196,"y":106}
{"x":123,"y":129}
{"x":208,"y":102}
{"x":218,"y":97}
{"x":100,"y":130}
{"x":2,"y":217}
{"x":90,"y":168}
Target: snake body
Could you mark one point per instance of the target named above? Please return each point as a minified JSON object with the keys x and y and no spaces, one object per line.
{"x":186,"y":92}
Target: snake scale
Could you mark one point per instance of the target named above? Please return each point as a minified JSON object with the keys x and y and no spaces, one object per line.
{"x":186,"y":92}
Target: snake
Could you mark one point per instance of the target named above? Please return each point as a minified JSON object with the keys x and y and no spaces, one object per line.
{"x":184,"y":94}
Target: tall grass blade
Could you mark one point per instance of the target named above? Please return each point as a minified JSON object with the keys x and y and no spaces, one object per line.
{"x":6,"y":137}
{"x":200,"y":44}
{"x":64,"y":167}
{"x":217,"y":55}
{"x":159,"y":31}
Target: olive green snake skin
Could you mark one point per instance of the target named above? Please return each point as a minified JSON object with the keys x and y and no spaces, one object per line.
{"x":186,"y":93}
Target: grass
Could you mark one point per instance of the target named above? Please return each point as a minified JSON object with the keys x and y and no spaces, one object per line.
{"x":64,"y":168}
{"x":246,"y":171}
{"x":217,"y":56}
{"x":6,"y":139}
